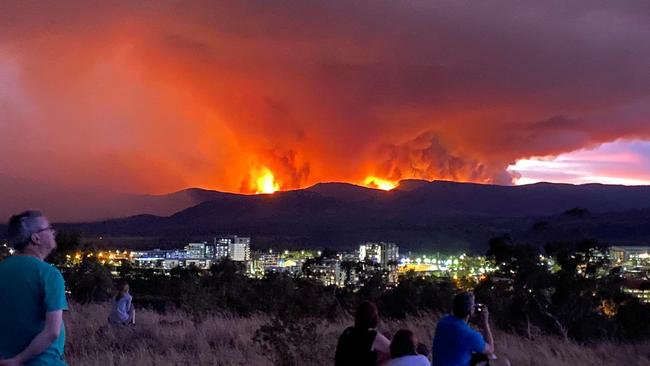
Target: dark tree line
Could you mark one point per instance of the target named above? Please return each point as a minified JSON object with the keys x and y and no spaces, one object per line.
{"x":580,"y":300}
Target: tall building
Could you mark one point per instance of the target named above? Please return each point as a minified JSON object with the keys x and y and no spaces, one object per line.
{"x":327,"y":271}
{"x":221,"y":251}
{"x":381,"y":253}
{"x":240,"y":251}
{"x":370,"y":252}
{"x":210,"y":251}
{"x":222,"y":246}
{"x":389,"y":254}
{"x":235,"y":247}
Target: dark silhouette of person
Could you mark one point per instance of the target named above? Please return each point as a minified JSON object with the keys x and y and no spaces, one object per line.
{"x":403,"y":350}
{"x":361,"y":344}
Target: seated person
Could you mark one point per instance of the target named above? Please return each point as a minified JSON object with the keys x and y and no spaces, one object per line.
{"x":403,"y":350}
{"x":362,"y":344}
{"x":422,"y":349}
{"x":456,"y":344}
{"x":122,"y":312}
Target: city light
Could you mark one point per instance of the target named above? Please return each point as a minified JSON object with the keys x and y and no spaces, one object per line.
{"x":351,"y":268}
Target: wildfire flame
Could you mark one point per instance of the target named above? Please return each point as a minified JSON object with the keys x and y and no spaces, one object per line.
{"x":379,"y":183}
{"x":264,"y":181}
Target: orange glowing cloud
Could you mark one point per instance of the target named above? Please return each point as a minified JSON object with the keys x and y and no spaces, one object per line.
{"x":155,"y":97}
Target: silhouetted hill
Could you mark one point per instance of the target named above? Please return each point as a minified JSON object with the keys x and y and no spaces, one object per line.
{"x":345,"y":191}
{"x":451,"y":198}
{"x":444,"y":215}
{"x":411,"y":184}
{"x":631,"y":227}
{"x":69,"y":203}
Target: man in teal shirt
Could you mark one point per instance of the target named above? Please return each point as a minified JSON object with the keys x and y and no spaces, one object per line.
{"x":33,"y":296}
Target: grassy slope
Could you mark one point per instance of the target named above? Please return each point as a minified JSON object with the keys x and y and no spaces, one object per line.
{"x":174,"y":339}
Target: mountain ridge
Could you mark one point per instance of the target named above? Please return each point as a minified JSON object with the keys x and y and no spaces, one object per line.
{"x":440,"y":214}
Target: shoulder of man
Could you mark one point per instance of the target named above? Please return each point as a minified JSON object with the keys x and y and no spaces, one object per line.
{"x":54,"y":289}
{"x":447,"y":319}
{"x":51,"y":270}
{"x":469,"y":329}
{"x":474,"y":338}
{"x":24,"y":264}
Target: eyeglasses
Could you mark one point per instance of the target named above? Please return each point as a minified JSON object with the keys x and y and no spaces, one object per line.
{"x":51,"y":228}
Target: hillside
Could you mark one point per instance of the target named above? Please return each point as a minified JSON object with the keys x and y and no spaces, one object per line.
{"x":443,"y":215}
{"x":175,"y":339}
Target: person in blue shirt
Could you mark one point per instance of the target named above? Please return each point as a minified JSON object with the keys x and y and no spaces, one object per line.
{"x":457,"y":344}
{"x":33,"y":296}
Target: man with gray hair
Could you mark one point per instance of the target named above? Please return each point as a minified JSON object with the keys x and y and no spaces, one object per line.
{"x":33,"y":296}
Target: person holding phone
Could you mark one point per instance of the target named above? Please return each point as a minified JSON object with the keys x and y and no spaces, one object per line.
{"x":457,"y":344}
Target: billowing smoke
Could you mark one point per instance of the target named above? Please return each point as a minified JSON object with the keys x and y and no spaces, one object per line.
{"x":288,"y":171}
{"x":425,"y":157}
{"x":152,"y":97}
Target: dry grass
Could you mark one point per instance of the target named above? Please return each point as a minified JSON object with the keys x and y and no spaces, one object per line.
{"x":174,"y":339}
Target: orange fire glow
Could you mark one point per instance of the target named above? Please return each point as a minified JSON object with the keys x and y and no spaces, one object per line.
{"x":374,"y":182}
{"x":175,"y":97}
{"x":264,"y":181}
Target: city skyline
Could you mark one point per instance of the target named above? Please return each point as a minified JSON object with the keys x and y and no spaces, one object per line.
{"x":350,"y":268}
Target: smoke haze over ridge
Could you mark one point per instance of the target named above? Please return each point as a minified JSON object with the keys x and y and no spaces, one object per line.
{"x":161,"y":95}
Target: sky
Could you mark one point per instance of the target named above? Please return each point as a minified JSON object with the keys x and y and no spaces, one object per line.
{"x":157,"y":96}
{"x":620,"y":162}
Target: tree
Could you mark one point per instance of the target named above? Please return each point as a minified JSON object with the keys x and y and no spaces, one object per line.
{"x":67,"y":242}
{"x":530,"y":285}
{"x":90,"y":281}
